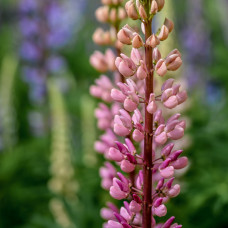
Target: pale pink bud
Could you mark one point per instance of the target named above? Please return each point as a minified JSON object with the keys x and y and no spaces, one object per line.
{"x":169,"y":24}
{"x":161,"y":138}
{"x":107,"y":214}
{"x":142,"y":71}
{"x":137,"y":135}
{"x":113,"y":15}
{"x":137,"y":41}
{"x":181,"y":97}
{"x":164,"y":33}
{"x":116,"y":193}
{"x":180,"y":163}
{"x":167,"y":149}
{"x":95,"y":91}
{"x":102,"y":14}
{"x":98,"y":61}
{"x":167,"y":84}
{"x":121,"y":130}
{"x":126,"y":166}
{"x":166,"y":94}
{"x":115,"y":154}
{"x":110,"y":59}
{"x":154,"y":7}
{"x":106,"y":2}
{"x":171,"y":102}
{"x":153,"y":41}
{"x":156,"y":54}
{"x":142,"y":12}
{"x":174,"y":191}
{"x":160,"y":211}
{"x":131,"y":10}
{"x":125,"y":65}
{"x":135,"y":207}
{"x":130,"y":105}
{"x":160,"y":4}
{"x":160,"y":129}
{"x":177,"y":133}
{"x":121,"y":13}
{"x":126,"y":34}
{"x":167,"y":172}
{"x":113,"y":224}
{"x":175,"y":51}
{"x":151,"y":107}
{"x":173,"y":62}
{"x":136,"y":56}
{"x":161,"y":68}
{"x":117,"y":95}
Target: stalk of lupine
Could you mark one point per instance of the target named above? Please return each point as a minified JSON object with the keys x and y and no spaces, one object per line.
{"x":141,"y":123}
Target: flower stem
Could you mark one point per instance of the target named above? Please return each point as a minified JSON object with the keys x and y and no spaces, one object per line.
{"x":148,"y":141}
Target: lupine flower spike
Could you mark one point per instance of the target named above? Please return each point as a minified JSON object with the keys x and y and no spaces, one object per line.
{"x":138,"y":138}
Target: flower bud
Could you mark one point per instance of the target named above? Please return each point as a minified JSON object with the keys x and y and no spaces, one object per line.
{"x":115,"y":155}
{"x":113,"y":224}
{"x":142,"y":12}
{"x":164,"y":33}
{"x":167,"y":84}
{"x":174,"y":191}
{"x":160,"y":4}
{"x":127,"y":166}
{"x":161,"y":138}
{"x":160,"y":211}
{"x":117,"y":95}
{"x":156,"y":55}
{"x":167,"y":172}
{"x":131,"y":10}
{"x":153,"y":41}
{"x":173,"y":62}
{"x":137,"y":135}
{"x":176,"y":134}
{"x":98,"y":61}
{"x":124,"y":37}
{"x":121,"y":13}
{"x":181,"y":97}
{"x":161,"y":67}
{"x":180,"y":163}
{"x":169,"y":24}
{"x":113,"y":15}
{"x":130,"y":105}
{"x":171,"y":102}
{"x":168,"y":223}
{"x":137,"y":41}
{"x":142,"y":71}
{"x":135,"y":207}
{"x":154,"y":7}
{"x":102,"y":14}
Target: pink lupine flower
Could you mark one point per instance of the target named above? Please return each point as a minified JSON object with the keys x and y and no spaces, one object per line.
{"x":161,"y":68}
{"x":107,"y":173}
{"x":152,"y":107}
{"x":149,"y":170}
{"x":102,"y":88}
{"x":122,"y":123}
{"x":120,"y":188}
{"x":125,"y":66}
{"x":108,"y":213}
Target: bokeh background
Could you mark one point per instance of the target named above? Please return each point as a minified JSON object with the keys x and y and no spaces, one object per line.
{"x":48,"y":167}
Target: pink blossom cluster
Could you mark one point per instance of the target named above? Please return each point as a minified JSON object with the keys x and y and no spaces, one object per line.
{"x":122,"y":116}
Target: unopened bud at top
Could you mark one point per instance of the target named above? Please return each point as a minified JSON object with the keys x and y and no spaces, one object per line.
{"x":160,"y":4}
{"x":169,"y":24}
{"x":154,"y":7}
{"x":131,"y":10}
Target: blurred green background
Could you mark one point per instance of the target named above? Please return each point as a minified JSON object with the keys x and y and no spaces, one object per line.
{"x":48,"y":168}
